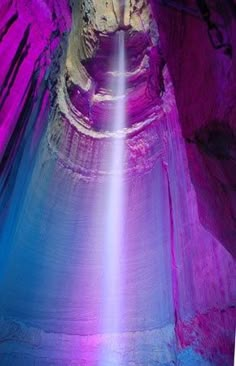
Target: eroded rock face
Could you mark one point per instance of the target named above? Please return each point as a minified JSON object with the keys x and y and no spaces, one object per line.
{"x":204,"y":81}
{"x":52,"y":264}
{"x":27,"y":46}
{"x":86,"y":99}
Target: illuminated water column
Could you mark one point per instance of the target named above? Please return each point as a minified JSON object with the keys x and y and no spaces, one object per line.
{"x":114,"y":214}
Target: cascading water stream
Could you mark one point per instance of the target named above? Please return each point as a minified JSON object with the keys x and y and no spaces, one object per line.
{"x":113,"y":227}
{"x":101,"y":247}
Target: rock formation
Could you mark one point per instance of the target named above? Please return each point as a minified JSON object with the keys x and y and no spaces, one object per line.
{"x":176,"y":291}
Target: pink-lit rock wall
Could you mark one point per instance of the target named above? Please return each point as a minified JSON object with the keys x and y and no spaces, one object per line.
{"x":29,"y":32}
{"x":178,"y":274}
{"x":205,"y":89}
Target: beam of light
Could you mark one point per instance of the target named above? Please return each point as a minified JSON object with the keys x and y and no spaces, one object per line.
{"x":113,"y":236}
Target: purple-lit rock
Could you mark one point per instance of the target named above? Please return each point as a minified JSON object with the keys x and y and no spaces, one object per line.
{"x":176,"y":291}
{"x":205,"y":89}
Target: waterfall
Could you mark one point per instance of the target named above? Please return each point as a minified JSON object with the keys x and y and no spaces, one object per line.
{"x":114,"y":204}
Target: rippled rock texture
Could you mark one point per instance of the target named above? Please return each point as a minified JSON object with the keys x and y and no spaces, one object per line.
{"x":176,"y":290}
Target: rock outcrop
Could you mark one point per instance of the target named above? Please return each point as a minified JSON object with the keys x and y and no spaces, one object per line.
{"x":176,"y":293}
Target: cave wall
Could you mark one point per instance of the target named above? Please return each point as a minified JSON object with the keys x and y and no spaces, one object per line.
{"x":204,"y":82}
{"x":178,"y":288}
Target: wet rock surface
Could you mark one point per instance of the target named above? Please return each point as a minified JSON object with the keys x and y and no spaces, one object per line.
{"x":204,"y":82}
{"x":56,"y":105}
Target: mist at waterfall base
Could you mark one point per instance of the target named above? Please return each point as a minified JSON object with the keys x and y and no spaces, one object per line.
{"x":97,"y":271}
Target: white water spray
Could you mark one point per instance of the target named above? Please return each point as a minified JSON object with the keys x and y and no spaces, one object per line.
{"x":115,"y":206}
